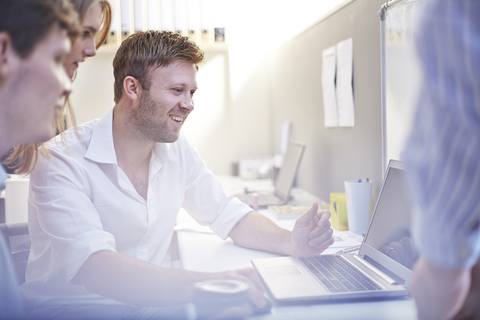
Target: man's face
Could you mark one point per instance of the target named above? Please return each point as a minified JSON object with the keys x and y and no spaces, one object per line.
{"x":40,"y":85}
{"x":162,"y":110}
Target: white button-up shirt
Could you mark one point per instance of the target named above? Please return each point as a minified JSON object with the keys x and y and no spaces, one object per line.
{"x":82,"y":202}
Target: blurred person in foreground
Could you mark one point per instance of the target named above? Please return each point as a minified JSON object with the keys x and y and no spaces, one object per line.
{"x":95,"y":19}
{"x":103,"y":202}
{"x":34,"y":44}
{"x":443,"y":159}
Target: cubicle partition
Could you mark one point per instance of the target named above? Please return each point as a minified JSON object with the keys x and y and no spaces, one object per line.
{"x":294,"y":76}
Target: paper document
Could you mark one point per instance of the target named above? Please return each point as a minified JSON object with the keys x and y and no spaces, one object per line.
{"x":328,"y":87}
{"x":344,"y":239}
{"x":287,"y":211}
{"x":346,"y":115}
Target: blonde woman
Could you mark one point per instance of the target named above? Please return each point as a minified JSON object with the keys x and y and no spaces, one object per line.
{"x":95,"y":17}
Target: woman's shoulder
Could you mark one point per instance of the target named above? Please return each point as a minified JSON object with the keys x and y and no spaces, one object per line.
{"x":72,"y":138}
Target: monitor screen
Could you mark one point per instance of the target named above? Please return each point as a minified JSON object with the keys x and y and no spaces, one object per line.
{"x":288,"y":172}
{"x":389,"y":231}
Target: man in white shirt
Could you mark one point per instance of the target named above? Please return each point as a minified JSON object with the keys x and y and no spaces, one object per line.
{"x":103,"y":203}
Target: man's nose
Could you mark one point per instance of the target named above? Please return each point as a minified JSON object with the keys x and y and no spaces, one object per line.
{"x":66,"y":83}
{"x":187,"y":103}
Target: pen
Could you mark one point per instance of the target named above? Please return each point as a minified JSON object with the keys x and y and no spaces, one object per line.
{"x":349,"y":249}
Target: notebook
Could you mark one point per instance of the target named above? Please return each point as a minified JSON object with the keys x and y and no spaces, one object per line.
{"x":284,"y":181}
{"x":382,"y":268}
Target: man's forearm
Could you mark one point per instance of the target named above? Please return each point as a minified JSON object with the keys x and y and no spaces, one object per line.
{"x":256,"y":231}
{"x":136,"y":282}
{"x":311,"y":233}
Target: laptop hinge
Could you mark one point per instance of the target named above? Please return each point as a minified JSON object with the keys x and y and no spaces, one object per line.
{"x":378,"y":272}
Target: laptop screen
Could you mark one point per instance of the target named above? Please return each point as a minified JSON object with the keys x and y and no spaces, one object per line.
{"x":286,"y":176}
{"x":389,"y":230}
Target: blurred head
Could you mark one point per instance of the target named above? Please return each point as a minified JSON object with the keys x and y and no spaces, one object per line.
{"x":27,"y":22}
{"x":95,"y":19}
{"x":34,"y":44}
{"x":143,"y":52}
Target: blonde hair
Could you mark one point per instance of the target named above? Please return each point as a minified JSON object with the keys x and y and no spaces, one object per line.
{"x":24,"y":157}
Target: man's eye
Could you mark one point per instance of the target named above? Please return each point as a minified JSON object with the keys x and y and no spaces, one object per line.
{"x":85,"y":34}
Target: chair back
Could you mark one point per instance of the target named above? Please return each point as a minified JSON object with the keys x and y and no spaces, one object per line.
{"x":18,"y":240}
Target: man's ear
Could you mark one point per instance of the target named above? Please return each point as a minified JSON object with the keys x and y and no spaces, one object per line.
{"x":6,"y":51}
{"x":132,"y":88}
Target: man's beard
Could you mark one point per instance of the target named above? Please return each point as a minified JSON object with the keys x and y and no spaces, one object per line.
{"x":146,"y":121}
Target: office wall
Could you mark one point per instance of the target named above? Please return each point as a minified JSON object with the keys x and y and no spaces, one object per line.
{"x":92,"y":94}
{"x":333,"y":154}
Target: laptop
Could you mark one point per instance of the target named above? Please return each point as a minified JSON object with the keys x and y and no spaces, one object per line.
{"x":380,"y":269}
{"x":284,"y":181}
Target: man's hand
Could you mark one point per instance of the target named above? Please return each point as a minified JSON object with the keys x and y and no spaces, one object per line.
{"x":438,"y":292}
{"x":312,"y":233}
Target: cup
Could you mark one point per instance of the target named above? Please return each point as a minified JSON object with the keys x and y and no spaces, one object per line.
{"x":16,"y":199}
{"x":338,"y":208}
{"x":359,"y":195}
{"x":210,"y":298}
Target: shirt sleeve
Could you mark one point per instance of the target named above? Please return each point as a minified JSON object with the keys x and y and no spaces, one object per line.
{"x":443,"y":151}
{"x":62,"y":215}
{"x":206,"y":200}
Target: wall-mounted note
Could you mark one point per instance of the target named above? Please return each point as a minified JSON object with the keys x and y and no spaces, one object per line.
{"x":346,"y":115}
{"x":328,"y":87}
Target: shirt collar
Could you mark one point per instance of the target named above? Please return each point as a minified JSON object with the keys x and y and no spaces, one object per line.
{"x":160,"y":153}
{"x":101,"y":148}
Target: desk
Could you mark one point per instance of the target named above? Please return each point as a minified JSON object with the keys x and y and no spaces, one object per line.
{"x":206,"y":252}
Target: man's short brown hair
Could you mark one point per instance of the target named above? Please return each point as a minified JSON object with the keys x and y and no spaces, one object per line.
{"x":28,"y":22}
{"x":144,"y":50}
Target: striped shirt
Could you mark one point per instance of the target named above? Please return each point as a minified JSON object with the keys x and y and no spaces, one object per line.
{"x":443,"y":151}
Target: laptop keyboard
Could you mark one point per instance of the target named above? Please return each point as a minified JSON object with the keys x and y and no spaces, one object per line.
{"x":337,"y":275}
{"x":263,"y":199}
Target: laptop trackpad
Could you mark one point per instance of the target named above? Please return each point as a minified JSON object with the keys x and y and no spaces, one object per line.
{"x":287,"y":270}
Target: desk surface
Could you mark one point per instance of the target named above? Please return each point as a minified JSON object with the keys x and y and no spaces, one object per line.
{"x":209,"y":253}
{"x":200,"y":250}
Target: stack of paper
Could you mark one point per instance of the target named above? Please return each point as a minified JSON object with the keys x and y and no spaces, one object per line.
{"x":288,"y":212}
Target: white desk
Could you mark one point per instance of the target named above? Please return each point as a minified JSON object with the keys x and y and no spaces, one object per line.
{"x":206,"y":252}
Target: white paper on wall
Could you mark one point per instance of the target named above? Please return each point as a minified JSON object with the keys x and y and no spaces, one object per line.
{"x":328,"y":87}
{"x":346,"y":115}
